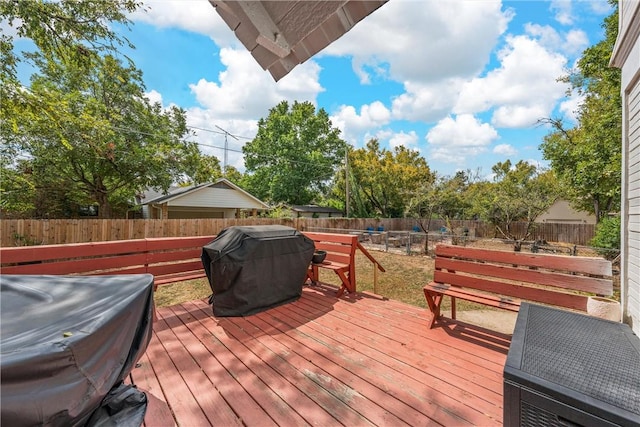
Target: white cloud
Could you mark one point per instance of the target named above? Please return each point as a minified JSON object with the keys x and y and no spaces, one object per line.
{"x":576,"y":41}
{"x":154,"y":96}
{"x":505,"y":150}
{"x":600,"y":7}
{"x":197,"y":16}
{"x":408,"y":140}
{"x":519,"y":116}
{"x":523,"y":89}
{"x":245,"y":91}
{"x":563,"y":11}
{"x":427,"y":102}
{"x":212,"y":139}
{"x":571,"y":42}
{"x":424,"y":41}
{"x":354,"y":124}
{"x":571,"y":106}
{"x":457,"y":140}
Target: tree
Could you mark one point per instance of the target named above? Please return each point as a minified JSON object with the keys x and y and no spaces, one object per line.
{"x":384,"y":181}
{"x":294,"y":154}
{"x":443,"y":197}
{"x":233,"y":175}
{"x":587,"y":158}
{"x":201,"y":168}
{"x":519,"y":193}
{"x":92,"y":132}
{"x":70,"y":30}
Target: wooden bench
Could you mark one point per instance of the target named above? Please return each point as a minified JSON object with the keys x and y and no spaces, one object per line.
{"x":501,"y":279}
{"x":341,"y":259}
{"x":341,"y":252}
{"x":168,"y":259}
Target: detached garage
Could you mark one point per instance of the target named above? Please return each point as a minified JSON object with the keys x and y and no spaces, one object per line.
{"x":220,"y":199}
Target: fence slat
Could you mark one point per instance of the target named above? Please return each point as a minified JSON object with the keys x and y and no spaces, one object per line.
{"x":29,"y":232}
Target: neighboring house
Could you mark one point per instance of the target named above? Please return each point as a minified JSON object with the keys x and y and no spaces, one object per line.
{"x":220,"y":199}
{"x":626,"y":55}
{"x":562,"y":212}
{"x":314,"y":211}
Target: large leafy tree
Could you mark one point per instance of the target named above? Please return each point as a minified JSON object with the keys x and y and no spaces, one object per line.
{"x":587,"y":158}
{"x":383,"y":182}
{"x":519,"y":193}
{"x":91,"y":132}
{"x":294,"y":154}
{"x":67,"y":29}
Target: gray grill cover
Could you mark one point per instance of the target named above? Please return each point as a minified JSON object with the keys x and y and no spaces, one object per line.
{"x":67,"y":344}
{"x":253,"y":268}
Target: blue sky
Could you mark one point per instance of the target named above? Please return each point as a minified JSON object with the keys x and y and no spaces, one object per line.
{"x":462,"y":81}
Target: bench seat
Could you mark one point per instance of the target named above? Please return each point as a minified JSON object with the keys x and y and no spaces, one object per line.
{"x":341,"y":252}
{"x":501,"y":279}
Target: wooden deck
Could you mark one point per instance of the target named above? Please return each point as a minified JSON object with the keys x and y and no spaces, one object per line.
{"x":357,"y":361}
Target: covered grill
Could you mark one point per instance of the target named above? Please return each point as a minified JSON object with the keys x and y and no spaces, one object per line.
{"x":253,"y":268}
{"x":68,"y":343}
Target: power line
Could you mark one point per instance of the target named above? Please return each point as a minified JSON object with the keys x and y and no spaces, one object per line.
{"x":226,"y":147}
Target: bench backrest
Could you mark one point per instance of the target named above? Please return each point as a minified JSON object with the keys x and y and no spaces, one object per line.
{"x":166,"y":258}
{"x":542,"y":278}
{"x":340,"y":248}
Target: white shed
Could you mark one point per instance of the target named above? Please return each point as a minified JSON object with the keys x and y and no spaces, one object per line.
{"x":219,"y":199}
{"x":626,"y":55}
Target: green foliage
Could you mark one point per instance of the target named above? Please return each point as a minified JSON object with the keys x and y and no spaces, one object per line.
{"x":69,"y":30}
{"x":91,"y":137}
{"x":233,"y":175}
{"x":587,"y":158}
{"x":607,"y":237}
{"x":443,"y":197}
{"x":383,"y":182}
{"x":201,"y":168}
{"x":518,"y":193}
{"x":293,"y":156}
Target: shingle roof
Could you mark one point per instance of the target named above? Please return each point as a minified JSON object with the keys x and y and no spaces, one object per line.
{"x":314,"y":209}
{"x":283,"y":34}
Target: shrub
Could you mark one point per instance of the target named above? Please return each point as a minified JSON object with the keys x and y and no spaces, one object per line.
{"x":607,"y":238}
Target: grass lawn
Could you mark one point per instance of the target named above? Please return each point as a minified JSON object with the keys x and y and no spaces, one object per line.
{"x":403,"y":280}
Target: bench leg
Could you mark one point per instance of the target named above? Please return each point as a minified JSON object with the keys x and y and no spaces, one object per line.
{"x":434,"y":300}
{"x":346,"y":282}
{"x":312,"y":274}
{"x":341,"y":291}
{"x":453,"y":307}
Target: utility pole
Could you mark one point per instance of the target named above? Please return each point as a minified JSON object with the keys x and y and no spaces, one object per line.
{"x":346,"y":179}
{"x":226,"y":149}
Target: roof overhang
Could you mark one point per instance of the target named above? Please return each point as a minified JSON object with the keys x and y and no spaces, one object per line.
{"x":283,"y":34}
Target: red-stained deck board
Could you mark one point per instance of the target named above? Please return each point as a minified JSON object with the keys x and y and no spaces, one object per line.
{"x":398,"y":371}
{"x":322,"y":360}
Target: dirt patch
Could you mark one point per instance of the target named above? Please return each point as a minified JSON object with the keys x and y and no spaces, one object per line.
{"x":496,"y":320}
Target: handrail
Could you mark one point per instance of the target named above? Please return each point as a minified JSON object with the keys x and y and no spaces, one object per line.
{"x":376,"y":266}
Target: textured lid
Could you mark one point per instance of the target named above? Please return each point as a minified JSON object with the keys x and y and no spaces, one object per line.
{"x":594,"y":357}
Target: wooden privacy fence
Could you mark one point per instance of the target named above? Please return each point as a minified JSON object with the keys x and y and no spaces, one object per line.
{"x":28,"y":232}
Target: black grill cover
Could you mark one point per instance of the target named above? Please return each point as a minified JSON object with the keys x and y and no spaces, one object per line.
{"x":67,"y":344}
{"x":253,"y":268}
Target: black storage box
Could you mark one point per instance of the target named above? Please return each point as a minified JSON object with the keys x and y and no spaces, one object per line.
{"x":570,"y":369}
{"x":68,"y":342}
{"x":254,"y":268}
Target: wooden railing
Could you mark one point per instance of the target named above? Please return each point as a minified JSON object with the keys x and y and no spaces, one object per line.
{"x":170,"y":259}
